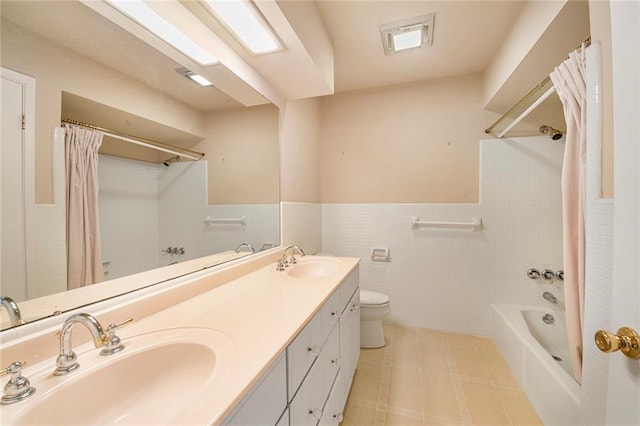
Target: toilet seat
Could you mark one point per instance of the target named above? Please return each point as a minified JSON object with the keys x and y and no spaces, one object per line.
{"x":372,"y":298}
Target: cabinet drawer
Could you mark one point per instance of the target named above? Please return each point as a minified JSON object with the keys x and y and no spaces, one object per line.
{"x":306,"y":407}
{"x":330,"y":360}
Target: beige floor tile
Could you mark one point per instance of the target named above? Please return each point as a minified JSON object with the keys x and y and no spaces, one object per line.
{"x":439,"y":398}
{"x":426,"y":377}
{"x":405,"y":396}
{"x":490,"y":414}
{"x":460,"y":340}
{"x":475,"y":371}
{"x":404,"y":419}
{"x":434,"y":360}
{"x":406,"y":351}
{"x":523,"y":416}
{"x":482,"y":392}
{"x":358,"y":414}
{"x":373,"y":354}
{"x":371,"y":370}
{"x":364,"y":389}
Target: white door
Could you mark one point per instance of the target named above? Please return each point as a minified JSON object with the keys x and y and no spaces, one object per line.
{"x":13,"y":281}
{"x":16,"y":184}
{"x":623,"y":396}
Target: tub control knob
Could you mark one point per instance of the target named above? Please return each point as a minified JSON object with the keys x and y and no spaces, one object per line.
{"x":626,"y":340}
{"x":533,"y":274}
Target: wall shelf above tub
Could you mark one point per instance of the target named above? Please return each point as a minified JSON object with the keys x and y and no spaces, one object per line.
{"x":474,"y":225}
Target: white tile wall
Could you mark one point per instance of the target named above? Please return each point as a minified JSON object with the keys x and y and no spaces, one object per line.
{"x":129,"y":221}
{"x":146,"y":208}
{"x":262,"y":226}
{"x":448,"y":279}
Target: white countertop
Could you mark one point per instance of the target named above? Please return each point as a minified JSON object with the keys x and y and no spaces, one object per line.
{"x":260,"y":312}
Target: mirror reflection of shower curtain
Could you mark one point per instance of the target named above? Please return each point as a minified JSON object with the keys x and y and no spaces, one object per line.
{"x":569,"y":81}
{"x":84,"y":259}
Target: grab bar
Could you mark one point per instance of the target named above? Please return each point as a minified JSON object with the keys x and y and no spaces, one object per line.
{"x":212,"y":220}
{"x":474,"y":225}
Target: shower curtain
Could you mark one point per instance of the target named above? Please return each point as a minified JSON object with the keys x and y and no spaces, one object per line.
{"x":570,"y":84}
{"x":84,"y":260}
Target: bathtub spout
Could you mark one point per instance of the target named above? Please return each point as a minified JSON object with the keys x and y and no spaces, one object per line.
{"x":550,"y":297}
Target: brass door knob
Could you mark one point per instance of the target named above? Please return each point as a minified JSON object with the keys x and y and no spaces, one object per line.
{"x":626,"y":340}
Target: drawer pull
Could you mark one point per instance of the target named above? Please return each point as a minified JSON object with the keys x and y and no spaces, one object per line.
{"x":315,"y":413}
{"x":314,"y":349}
{"x":339,"y":417}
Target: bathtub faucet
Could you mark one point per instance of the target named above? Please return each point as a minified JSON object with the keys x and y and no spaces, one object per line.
{"x":550,"y":297}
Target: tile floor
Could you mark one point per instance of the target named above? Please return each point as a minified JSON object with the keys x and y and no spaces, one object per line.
{"x":427,"y":377}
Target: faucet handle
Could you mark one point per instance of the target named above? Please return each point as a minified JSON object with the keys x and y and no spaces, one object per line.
{"x":18,"y":387}
{"x":114,"y":344}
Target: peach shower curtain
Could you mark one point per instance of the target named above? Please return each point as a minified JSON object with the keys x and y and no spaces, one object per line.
{"x":84,"y":259}
{"x":570,"y":84}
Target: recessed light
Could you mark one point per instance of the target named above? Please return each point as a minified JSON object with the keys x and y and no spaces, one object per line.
{"x":246,"y":23}
{"x":151,"y":20}
{"x":407,"y":34}
{"x":197,"y":78}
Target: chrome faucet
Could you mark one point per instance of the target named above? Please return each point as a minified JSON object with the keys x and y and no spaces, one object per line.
{"x":12,"y":308}
{"x":550,"y":297}
{"x":67,"y":360}
{"x":247,"y":245}
{"x":284,"y":263}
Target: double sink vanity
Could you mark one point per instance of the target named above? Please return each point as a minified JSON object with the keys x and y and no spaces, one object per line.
{"x":267,"y":347}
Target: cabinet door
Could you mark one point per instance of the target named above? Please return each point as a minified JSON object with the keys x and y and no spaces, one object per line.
{"x":330,"y":360}
{"x":266,"y":402}
{"x":306,"y":407}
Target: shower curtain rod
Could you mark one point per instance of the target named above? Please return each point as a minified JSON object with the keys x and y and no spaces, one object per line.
{"x":137,"y":140}
{"x":547,"y":79}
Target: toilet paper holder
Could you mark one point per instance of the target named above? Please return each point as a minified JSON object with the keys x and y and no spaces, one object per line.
{"x":380,"y":254}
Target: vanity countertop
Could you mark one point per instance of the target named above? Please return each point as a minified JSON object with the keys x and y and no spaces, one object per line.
{"x":260,"y":313}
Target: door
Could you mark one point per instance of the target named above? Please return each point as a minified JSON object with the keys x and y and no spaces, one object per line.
{"x":13,"y":281}
{"x":16,"y":186}
{"x":623,"y":396}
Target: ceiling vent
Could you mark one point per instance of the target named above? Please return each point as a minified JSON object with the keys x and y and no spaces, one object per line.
{"x":407,"y":34}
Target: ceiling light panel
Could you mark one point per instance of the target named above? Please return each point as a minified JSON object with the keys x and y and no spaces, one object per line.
{"x":407,"y":34}
{"x":246,"y":23}
{"x":147,"y":17}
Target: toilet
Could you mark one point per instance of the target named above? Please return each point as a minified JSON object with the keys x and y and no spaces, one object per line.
{"x":373,"y":308}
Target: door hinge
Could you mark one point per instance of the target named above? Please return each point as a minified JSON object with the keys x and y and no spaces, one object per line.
{"x":24,"y":121}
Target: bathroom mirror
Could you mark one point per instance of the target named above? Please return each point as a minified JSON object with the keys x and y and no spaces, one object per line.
{"x":156,"y":210}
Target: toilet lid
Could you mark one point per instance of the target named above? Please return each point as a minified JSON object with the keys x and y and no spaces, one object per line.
{"x":373,"y":298}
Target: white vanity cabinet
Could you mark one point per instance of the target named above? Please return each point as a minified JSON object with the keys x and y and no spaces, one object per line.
{"x":320,"y":363}
{"x":323,"y":392}
{"x":266,"y":402}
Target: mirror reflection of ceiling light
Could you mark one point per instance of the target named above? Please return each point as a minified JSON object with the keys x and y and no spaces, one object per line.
{"x":241,"y":18}
{"x":151,"y":20}
{"x":407,"y":34}
{"x":197,"y":78}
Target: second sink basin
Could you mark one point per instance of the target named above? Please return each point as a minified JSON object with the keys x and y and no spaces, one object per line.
{"x":314,"y":268}
{"x":152,"y":381}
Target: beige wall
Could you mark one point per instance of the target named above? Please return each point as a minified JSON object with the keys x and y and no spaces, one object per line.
{"x":241,"y":148}
{"x":300,"y":151}
{"x":56,"y":69}
{"x":601,"y":31}
{"x":415,"y":143}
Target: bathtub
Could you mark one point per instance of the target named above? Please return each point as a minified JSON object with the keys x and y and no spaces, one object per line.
{"x":529,"y":346}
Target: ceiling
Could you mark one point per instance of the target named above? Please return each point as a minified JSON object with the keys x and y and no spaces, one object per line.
{"x":467,"y":35}
{"x":101,"y":40}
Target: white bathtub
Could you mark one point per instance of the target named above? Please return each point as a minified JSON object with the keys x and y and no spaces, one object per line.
{"x":520,"y":335}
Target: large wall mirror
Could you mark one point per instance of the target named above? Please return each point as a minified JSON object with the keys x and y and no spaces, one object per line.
{"x":158,"y":209}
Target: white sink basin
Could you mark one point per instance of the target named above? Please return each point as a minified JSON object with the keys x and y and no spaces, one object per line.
{"x":152,"y":381}
{"x":315,"y":268}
